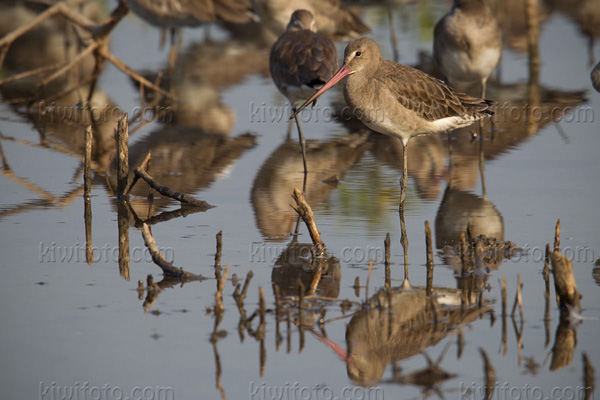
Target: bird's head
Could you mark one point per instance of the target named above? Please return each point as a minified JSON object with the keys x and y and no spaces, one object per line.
{"x":360,"y":54}
{"x":301,"y":20}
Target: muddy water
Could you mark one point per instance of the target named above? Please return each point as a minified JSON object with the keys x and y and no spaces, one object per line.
{"x":71,"y":326}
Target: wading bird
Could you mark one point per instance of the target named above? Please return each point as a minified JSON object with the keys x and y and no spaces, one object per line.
{"x":332,"y":16}
{"x":467,"y":44}
{"x":301,"y":62}
{"x":400,"y":101}
{"x":176,"y":14}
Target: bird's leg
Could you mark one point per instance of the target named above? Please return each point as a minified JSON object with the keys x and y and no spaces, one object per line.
{"x":172,"y":57}
{"x":403,"y":235}
{"x":450,"y":163}
{"x":290,"y":125}
{"x":483,"y":84}
{"x":404,"y":243}
{"x":302,"y":144}
{"x":482,"y":166}
{"x":404,"y":180}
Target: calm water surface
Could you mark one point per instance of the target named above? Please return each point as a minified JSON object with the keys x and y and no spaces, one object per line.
{"x":67,"y":324}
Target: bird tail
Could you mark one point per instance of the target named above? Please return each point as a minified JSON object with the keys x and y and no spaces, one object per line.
{"x":475,"y":105}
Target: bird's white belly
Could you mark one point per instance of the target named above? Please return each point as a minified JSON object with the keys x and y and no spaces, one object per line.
{"x":459,"y":66}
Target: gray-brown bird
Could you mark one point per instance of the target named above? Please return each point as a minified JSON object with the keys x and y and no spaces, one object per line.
{"x":467,"y":44}
{"x":595,"y":76}
{"x":400,"y":101}
{"x":301,"y":62}
{"x":175,"y":14}
{"x":332,"y":16}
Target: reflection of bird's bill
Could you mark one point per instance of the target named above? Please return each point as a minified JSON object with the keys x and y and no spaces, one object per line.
{"x":341,"y":74}
{"x":337,"y":349}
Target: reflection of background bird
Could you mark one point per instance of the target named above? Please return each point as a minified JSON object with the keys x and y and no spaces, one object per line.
{"x":459,"y":210}
{"x":332,"y":17}
{"x":175,"y":14}
{"x":467,"y":44}
{"x":294,"y":263}
{"x":189,"y":159}
{"x":282,"y":172}
{"x":52,"y":42}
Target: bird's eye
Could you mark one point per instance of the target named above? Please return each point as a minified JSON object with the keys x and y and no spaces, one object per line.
{"x":358,"y":53}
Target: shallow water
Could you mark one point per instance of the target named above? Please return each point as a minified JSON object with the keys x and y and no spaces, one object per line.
{"x":67,"y":324}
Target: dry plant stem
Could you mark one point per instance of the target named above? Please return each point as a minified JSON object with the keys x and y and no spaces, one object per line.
{"x":306,"y":214}
{"x":122,"y":137}
{"x":519,"y":335}
{"x":165,"y":191}
{"x":289,"y":331}
{"x":428,"y":245}
{"x":301,"y":314}
{"x":219,"y":247}
{"x":316,"y":278}
{"x":87,"y":212}
{"x":123,"y":229}
{"x":31,"y":72}
{"x":144,"y":167}
{"x":219,"y":308}
{"x":463,"y":254}
{"x":124,"y":68}
{"x":588,"y":377}
{"x":58,"y":8}
{"x":518,"y":299}
{"x":99,"y":32}
{"x":71,"y":64}
{"x":157,"y":257}
{"x":277,"y":316}
{"x":546,"y":275}
{"x":262,"y":308}
{"x":87,"y":175}
{"x":557,"y":236}
{"x":388,"y":272}
{"x":490,"y":375}
{"x":564,"y":281}
{"x":504,"y":333}
{"x":368,"y":279}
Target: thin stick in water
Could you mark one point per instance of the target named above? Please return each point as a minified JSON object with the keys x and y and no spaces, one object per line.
{"x":122,"y":138}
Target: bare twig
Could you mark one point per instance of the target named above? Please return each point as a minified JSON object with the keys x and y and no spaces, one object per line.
{"x":122,"y":138}
{"x":368,"y":279}
{"x":428,"y":245}
{"x":87,"y":175}
{"x":127,"y":70}
{"x":219,"y":247}
{"x":306,"y":214}
{"x":388,"y":272}
{"x":31,"y":72}
{"x":157,"y":257}
{"x":144,"y":167}
{"x":165,"y":191}
{"x":490,"y":375}
{"x":564,"y":281}
{"x":518,"y":299}
{"x":557,"y":236}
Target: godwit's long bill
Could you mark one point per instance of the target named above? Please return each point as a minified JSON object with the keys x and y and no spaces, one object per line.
{"x":400,"y":101}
